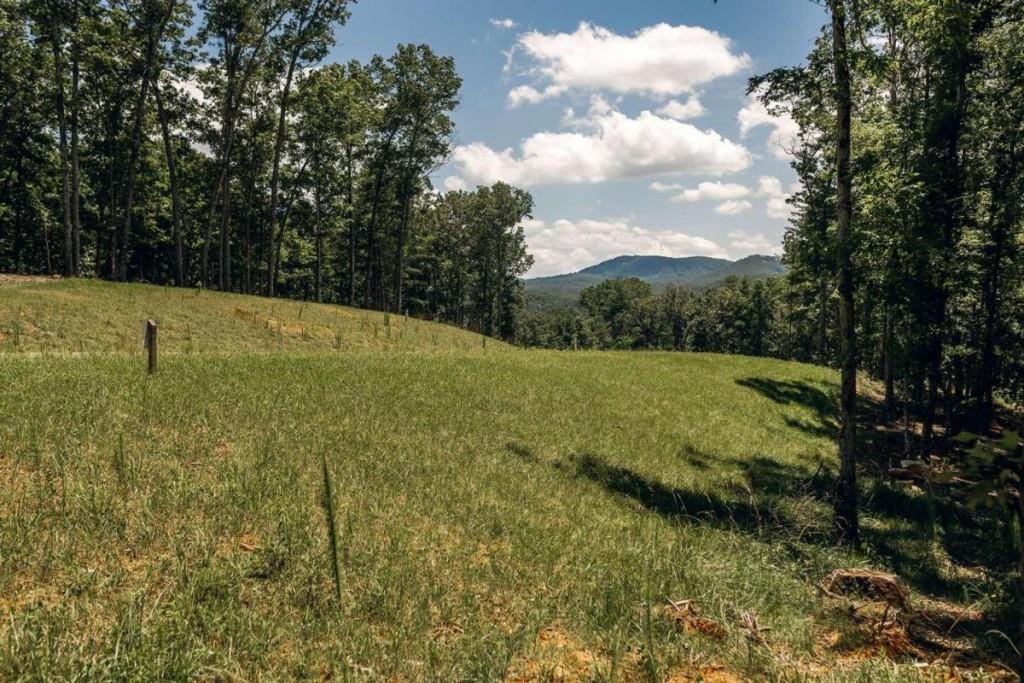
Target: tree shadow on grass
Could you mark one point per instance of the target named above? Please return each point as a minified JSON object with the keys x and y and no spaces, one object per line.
{"x":909,"y":526}
{"x":929,"y":541}
{"x":762,"y":510}
{"x":926,"y":537}
{"x":787,"y":392}
{"x":912,"y":521}
{"x":882,"y":439}
{"x":672,"y":502}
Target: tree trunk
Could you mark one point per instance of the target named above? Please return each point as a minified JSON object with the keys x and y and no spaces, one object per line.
{"x":822,"y":320}
{"x":222,"y":157}
{"x":129,"y":194}
{"x":371,"y":230}
{"x":403,"y":223}
{"x":111,"y":217}
{"x":276,"y":261}
{"x":1003,"y":216}
{"x":275,"y":175}
{"x":172,"y":176}
{"x":887,"y":363}
{"x":153,"y":40}
{"x":846,"y":518}
{"x":318,"y":245}
{"x":350,"y":211}
{"x":122,"y":237}
{"x":224,"y":269}
{"x":76,"y":185}
{"x":403,"y":226}
{"x":58,"y":75}
{"x":250,"y":203}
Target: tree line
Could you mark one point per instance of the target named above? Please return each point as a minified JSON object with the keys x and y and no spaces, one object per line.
{"x":905,"y":245}
{"x":206,"y":144}
{"x":740,"y":315}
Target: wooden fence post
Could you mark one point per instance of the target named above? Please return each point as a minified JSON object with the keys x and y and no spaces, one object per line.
{"x":151,"y":344}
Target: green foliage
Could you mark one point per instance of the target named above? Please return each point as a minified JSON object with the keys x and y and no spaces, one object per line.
{"x":741,"y":315}
{"x":938,"y":176}
{"x":332,"y":533}
{"x":218,"y":156}
{"x":995,"y":468}
{"x":466,"y":268}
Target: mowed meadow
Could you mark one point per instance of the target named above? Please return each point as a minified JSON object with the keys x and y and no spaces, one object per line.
{"x":497,"y":514}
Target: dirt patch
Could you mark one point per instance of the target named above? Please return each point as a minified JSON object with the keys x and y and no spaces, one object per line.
{"x":556,"y":656}
{"x":27,"y":594}
{"x":707,"y":674}
{"x":447,"y":631}
{"x":936,"y":637}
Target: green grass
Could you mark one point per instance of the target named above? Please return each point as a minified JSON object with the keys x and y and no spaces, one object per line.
{"x":519,"y":516}
{"x":40,"y":315}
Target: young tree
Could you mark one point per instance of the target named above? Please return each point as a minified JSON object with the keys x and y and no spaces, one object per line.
{"x":307,"y":35}
{"x":426,"y":91}
{"x":845,"y":506}
{"x":241,"y":30}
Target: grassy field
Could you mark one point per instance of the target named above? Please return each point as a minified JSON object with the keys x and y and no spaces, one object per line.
{"x":47,"y":315}
{"x":513,"y":515}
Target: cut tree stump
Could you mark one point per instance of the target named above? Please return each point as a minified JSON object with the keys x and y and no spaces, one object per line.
{"x":867,"y":584}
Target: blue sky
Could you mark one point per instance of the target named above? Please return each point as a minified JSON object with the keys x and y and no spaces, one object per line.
{"x":656,"y":91}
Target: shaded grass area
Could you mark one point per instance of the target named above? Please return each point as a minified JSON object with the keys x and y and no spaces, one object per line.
{"x":91,"y":315}
{"x":904,"y":523}
{"x":173,"y":527}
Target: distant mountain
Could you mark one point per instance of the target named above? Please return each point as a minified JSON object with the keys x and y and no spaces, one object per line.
{"x":697,"y":272}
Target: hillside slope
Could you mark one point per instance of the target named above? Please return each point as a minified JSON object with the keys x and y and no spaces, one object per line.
{"x":515,"y":516}
{"x":659,"y":271}
{"x":40,"y":314}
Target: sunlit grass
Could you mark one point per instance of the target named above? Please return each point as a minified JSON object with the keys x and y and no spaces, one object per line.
{"x":520,"y":515}
{"x":89,"y":315}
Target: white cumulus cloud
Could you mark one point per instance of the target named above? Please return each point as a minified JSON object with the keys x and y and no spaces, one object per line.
{"x":665,"y":187}
{"x":606,"y":145}
{"x":661,"y":60}
{"x":776,"y":205}
{"x":783,"y":137}
{"x":527,"y":94}
{"x":683,"y":111}
{"x":454,"y":183}
{"x":733,"y":207}
{"x":507,"y":24}
{"x":744,"y":244}
{"x":706,"y":191}
{"x":769,"y":186}
{"x":566,"y":246}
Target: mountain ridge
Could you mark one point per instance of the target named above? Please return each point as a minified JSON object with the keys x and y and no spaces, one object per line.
{"x":697,"y":272}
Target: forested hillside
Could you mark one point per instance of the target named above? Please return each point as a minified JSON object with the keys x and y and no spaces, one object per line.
{"x":207,"y":144}
{"x":693,"y":272}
